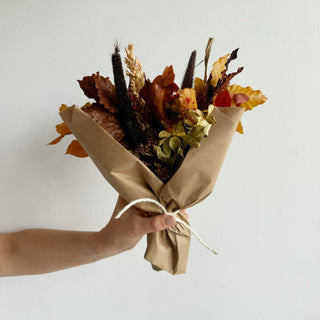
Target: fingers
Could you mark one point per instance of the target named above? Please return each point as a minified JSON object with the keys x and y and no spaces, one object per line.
{"x":154,"y":224}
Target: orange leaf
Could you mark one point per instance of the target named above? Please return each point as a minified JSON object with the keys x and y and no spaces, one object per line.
{"x":240,"y":128}
{"x":63,"y":129}
{"x":166,"y":78}
{"x":76,"y":149}
{"x":63,"y":107}
{"x":55,"y":141}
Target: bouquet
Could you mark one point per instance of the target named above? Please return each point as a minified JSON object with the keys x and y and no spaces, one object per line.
{"x":156,"y":140}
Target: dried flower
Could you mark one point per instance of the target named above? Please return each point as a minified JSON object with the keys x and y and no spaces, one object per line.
{"x":127,"y":115}
{"x":134,"y":72}
{"x":188,"y":77}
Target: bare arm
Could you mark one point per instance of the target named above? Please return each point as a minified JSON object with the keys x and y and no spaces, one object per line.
{"x":36,"y":251}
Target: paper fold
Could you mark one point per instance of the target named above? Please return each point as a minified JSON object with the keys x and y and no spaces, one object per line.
{"x":194,"y":180}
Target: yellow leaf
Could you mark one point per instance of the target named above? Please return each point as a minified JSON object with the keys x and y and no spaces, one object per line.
{"x":199,"y":85}
{"x":256,"y":97}
{"x":217,"y":68}
{"x":76,"y":149}
{"x":240,"y":128}
{"x":63,"y":129}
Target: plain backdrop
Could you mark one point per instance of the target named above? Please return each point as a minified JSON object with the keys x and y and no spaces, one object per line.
{"x":264,"y":214}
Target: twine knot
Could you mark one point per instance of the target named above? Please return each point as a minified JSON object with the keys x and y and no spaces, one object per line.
{"x":164,"y":211}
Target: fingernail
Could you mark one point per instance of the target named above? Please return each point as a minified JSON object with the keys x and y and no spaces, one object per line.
{"x":169,"y":221}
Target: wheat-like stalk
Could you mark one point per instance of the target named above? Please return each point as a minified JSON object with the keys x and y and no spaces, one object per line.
{"x":134,"y":72}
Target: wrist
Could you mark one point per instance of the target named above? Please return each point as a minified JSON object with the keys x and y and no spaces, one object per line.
{"x":103,"y":244}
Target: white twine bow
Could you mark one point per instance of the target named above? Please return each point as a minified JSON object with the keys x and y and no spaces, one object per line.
{"x":164,"y":210}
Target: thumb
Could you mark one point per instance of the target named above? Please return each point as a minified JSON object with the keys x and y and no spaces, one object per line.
{"x":157,"y":223}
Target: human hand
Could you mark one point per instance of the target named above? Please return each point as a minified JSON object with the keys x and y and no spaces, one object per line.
{"x":124,"y":233}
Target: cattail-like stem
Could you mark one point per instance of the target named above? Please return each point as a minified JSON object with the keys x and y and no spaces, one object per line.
{"x":127,"y":116}
{"x":188,"y":77}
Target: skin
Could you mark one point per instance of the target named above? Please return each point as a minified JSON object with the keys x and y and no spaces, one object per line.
{"x":36,"y":251}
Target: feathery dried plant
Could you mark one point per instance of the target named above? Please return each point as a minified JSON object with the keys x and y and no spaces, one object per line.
{"x":134,"y":72}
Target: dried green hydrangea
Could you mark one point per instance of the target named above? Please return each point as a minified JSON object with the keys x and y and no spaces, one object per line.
{"x":187,"y":133}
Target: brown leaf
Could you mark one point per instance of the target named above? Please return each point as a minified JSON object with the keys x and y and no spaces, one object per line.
{"x":107,"y":93}
{"x":76,"y":149}
{"x":101,"y":89}
{"x":106,"y":120}
{"x":87,"y":84}
{"x":226,"y":78}
{"x":154,"y":96}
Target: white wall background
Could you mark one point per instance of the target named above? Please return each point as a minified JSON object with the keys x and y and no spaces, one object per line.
{"x":264,"y":214}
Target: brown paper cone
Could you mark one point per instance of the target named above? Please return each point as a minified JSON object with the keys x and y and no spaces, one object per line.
{"x":194,"y":180}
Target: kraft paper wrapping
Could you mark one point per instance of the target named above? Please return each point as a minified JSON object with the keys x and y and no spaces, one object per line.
{"x":194,"y":180}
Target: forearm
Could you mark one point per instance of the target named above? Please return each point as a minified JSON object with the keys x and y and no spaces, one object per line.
{"x":38,"y":251}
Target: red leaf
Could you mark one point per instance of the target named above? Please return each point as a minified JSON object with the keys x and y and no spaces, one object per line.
{"x":223,"y":99}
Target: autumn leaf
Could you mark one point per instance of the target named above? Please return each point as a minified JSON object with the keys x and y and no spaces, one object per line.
{"x":225,"y":80}
{"x":218,"y":67}
{"x":62,"y":128}
{"x":100,"y":89}
{"x":240,"y":128}
{"x":76,"y":149}
{"x":166,"y":78}
{"x":87,"y":84}
{"x":223,"y":99}
{"x":239,"y":98}
{"x":56,"y":140}
{"x":154,"y":96}
{"x":106,"y":120}
{"x":107,"y":93}
{"x":199,"y":86}
{"x":256,"y":97}
{"x":63,"y":107}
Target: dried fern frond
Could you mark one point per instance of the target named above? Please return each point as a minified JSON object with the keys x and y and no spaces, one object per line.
{"x":134,"y":72}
